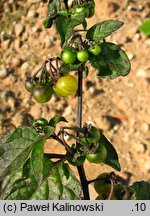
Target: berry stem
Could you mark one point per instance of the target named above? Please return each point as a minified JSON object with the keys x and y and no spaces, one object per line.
{"x":81,"y":171}
{"x":57,"y":156}
{"x":112,"y":179}
{"x":79,"y":112}
{"x":58,"y":163}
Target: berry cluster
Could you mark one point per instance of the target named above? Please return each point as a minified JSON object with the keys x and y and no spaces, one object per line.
{"x":70,"y":55}
{"x":48,"y":81}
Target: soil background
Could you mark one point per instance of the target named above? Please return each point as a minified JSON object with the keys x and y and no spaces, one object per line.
{"x":120,"y":107}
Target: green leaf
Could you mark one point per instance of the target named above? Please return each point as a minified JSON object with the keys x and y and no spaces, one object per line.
{"x":64,"y":29}
{"x":103,"y":29}
{"x":48,"y":22}
{"x":17,"y":133}
{"x":26,"y":168}
{"x":61,"y":185}
{"x":19,"y":185}
{"x":55,"y":120}
{"x":84,"y":24}
{"x":142,"y":190}
{"x":66,"y":68}
{"x":2,"y":151}
{"x":23,"y":187}
{"x":17,"y":146}
{"x":145,"y":27}
{"x":37,"y":157}
{"x":65,"y":26}
{"x":6,"y":184}
{"x":26,"y":173}
{"x":112,"y":157}
{"x":49,"y":130}
{"x":53,"y":8}
{"x":112,"y":62}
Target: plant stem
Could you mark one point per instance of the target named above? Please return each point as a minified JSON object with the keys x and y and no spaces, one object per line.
{"x":79,"y":112}
{"x":58,"y":163}
{"x":98,"y":179}
{"x":62,"y":143}
{"x":51,"y":156}
{"x":84,"y":182}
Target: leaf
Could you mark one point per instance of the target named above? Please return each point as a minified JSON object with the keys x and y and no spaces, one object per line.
{"x":17,"y":133}
{"x":66,"y":68}
{"x":84,"y":24}
{"x":53,"y":8}
{"x":7,"y":183}
{"x":28,"y":172}
{"x":2,"y":151}
{"x":37,"y":157}
{"x":60,"y":184}
{"x":145,"y":27}
{"x":17,"y":146}
{"x":142,"y":190}
{"x":49,"y":130}
{"x":26,"y":169}
{"x":55,"y":120}
{"x":112,"y":62}
{"x":65,"y":26}
{"x":112,"y":157}
{"x":48,"y":22}
{"x":64,"y":29}
{"x":103,"y":29}
{"x":23,"y":187}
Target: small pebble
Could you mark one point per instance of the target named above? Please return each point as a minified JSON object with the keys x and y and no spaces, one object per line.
{"x":5,"y":44}
{"x":68,"y":110}
{"x":137,"y":37}
{"x":32,"y":13}
{"x":140,"y":147}
{"x":17,"y":44}
{"x":25,"y":66}
{"x":130,"y":55}
{"x":140,"y":7}
{"x":147,"y":165}
{"x":19,"y":28}
{"x":145,"y":127}
{"x":4,"y":73}
{"x":34,"y":1}
{"x":147,"y":42}
{"x":141,"y":73}
{"x":104,"y":124}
